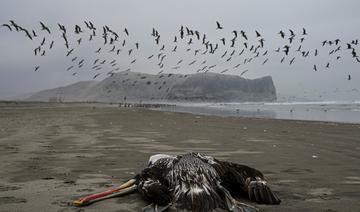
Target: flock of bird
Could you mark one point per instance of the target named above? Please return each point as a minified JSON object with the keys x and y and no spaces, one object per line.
{"x":242,"y":48}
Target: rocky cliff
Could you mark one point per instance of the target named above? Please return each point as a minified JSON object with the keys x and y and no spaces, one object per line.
{"x":134,"y":86}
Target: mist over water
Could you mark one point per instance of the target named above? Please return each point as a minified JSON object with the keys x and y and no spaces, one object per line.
{"x":328,"y":111}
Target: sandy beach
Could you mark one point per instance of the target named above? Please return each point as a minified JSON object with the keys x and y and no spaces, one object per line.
{"x":52,"y":154}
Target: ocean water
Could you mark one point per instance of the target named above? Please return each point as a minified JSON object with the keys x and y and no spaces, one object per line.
{"x":329,"y":111}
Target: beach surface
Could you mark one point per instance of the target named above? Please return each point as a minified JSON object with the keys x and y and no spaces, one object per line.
{"x":52,"y":154}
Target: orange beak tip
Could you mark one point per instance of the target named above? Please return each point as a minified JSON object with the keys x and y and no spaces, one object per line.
{"x":79,"y":203}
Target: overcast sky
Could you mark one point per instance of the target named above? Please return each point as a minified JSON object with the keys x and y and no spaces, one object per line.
{"x":323,"y":19}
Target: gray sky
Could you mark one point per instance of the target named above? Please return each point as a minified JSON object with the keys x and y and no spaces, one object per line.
{"x":323,"y":19}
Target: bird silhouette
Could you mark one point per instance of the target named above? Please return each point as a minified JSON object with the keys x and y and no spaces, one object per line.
{"x":243,"y":72}
{"x":235,"y":33}
{"x":51,"y":44}
{"x":69,"y":52}
{"x":78,"y":29}
{"x":17,"y":27}
{"x":197,"y":35}
{"x":243,"y":34}
{"x":267,"y":59}
{"x":282,"y":34}
{"x":237,"y":66}
{"x":286,"y":49}
{"x":43,"y":42}
{"x":218,"y":26}
{"x":223,"y":41}
{"x":192,"y":62}
{"x":112,"y":49}
{"x":232,"y":42}
{"x":304,"y":32}
{"x":43,"y":27}
{"x":292,"y":60}
{"x":282,"y":60}
{"x":262,"y":42}
{"x":27,"y":33}
{"x":292,"y":34}
{"x":126,"y":31}
{"x":7,"y":25}
{"x":242,"y":51}
{"x":69,"y":68}
{"x":223,"y":71}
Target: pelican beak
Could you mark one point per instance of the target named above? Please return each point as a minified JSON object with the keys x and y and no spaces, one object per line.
{"x":123,"y":189}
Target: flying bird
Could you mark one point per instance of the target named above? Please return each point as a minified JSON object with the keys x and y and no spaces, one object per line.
{"x":223,"y":41}
{"x":282,"y":34}
{"x":265,"y":61}
{"x":292,"y":60}
{"x":43,"y":27}
{"x":304,"y":31}
{"x":96,"y":75}
{"x":78,"y":29}
{"x":243,"y":72}
{"x":7,"y":25}
{"x":43,"y":42}
{"x":237,"y":66}
{"x":126,"y":32}
{"x":69,"y":52}
{"x":51,"y":44}
{"x":218,"y":26}
{"x":243,"y":34}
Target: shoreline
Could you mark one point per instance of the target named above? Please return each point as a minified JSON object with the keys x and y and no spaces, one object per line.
{"x":53,"y":155}
{"x":188,"y":108}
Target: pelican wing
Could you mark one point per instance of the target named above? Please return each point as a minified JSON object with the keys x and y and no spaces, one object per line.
{"x":151,"y":185}
{"x":244,"y":181}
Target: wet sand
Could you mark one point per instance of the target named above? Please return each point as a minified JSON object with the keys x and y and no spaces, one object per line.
{"x":52,"y":154}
